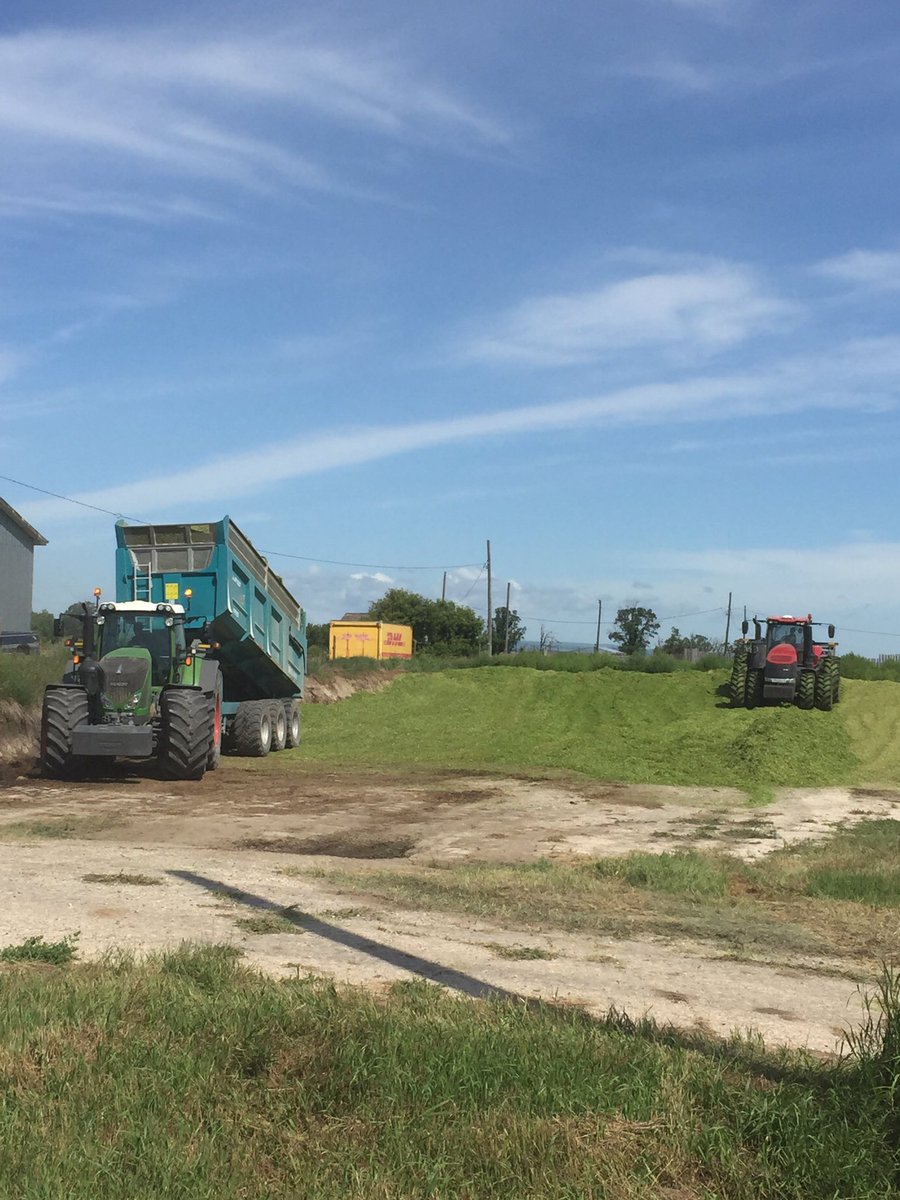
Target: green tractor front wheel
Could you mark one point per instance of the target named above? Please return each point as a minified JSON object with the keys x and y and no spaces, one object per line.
{"x":184,"y":735}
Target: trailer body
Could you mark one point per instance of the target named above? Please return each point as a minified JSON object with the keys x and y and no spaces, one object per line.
{"x":229,"y":590}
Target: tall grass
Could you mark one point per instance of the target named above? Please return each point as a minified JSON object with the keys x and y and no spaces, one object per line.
{"x":190,"y":1077}
{"x":23,"y":677}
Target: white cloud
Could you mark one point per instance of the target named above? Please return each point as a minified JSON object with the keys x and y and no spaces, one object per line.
{"x":188,"y":106}
{"x":854,"y":377}
{"x":701,"y":310}
{"x":878,"y":270}
{"x":375,"y":577}
{"x":676,"y":72}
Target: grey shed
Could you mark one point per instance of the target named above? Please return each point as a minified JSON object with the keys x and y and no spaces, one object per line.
{"x":17,"y":542}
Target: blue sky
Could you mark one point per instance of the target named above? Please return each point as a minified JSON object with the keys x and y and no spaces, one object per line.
{"x":614,"y":285}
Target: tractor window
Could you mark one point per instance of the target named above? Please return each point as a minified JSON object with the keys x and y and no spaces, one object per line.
{"x":791,"y":635}
{"x":122,"y":630}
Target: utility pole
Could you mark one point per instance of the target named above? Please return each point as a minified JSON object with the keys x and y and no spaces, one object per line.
{"x":506,"y":633}
{"x":490,"y":615}
{"x":444,"y":588}
{"x":727,"y":624}
{"x":599,"y":614}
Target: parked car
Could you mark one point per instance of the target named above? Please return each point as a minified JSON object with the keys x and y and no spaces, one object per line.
{"x":20,"y":643}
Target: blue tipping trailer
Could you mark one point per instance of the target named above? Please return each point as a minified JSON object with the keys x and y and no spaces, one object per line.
{"x":230,"y":593}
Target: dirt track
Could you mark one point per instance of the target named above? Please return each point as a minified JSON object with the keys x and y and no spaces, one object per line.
{"x":218,"y":848}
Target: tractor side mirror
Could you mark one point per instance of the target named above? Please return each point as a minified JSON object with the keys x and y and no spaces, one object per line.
{"x":831,"y":632}
{"x":745,"y":627}
{"x":58,"y":630}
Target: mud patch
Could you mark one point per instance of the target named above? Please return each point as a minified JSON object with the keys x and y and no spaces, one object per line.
{"x":338,"y":845}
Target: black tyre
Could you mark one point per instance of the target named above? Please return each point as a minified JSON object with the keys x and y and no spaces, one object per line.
{"x":738,"y":684}
{"x":806,"y":690}
{"x":63,"y":711}
{"x":753,"y":695}
{"x":184,"y":735}
{"x":832,"y":667}
{"x":252,"y":728}
{"x":215,"y":725}
{"x":824,"y":689}
{"x":279,"y":726}
{"x":292,"y":718}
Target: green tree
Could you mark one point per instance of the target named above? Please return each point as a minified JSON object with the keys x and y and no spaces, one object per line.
{"x":439,"y":626}
{"x":317,"y":636}
{"x":42,"y":624}
{"x":504,"y":617}
{"x":634,"y":628}
{"x":675,"y":643}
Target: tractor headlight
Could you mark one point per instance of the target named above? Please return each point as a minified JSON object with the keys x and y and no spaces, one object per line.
{"x":136,"y":698}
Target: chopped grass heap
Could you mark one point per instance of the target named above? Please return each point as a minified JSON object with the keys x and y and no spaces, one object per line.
{"x":189,"y":1076}
{"x":627,"y":726}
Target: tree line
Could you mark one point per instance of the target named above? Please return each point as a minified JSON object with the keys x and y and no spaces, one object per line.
{"x":444,"y":627}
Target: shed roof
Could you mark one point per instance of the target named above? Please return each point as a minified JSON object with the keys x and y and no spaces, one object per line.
{"x":17,"y":518}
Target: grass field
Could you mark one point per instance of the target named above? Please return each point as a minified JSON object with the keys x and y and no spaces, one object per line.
{"x":191,"y":1078}
{"x":617,"y":725}
{"x":836,"y":899}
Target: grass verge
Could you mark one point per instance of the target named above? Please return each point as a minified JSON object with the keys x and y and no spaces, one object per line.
{"x":189,"y":1076}
{"x":23,"y":677}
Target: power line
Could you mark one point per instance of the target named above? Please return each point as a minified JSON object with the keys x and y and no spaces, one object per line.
{"x":71,"y":500}
{"x":331,"y":562}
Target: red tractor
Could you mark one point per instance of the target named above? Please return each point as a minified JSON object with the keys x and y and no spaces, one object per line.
{"x":785,"y":665}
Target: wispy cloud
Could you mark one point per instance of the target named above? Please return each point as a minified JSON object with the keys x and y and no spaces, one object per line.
{"x":701,"y":310}
{"x":217,"y":109}
{"x":849,"y":379}
{"x":876,"y":270}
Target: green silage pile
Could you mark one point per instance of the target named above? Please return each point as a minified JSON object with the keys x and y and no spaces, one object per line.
{"x":615,"y":725}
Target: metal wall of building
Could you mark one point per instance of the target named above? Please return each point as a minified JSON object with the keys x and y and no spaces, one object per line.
{"x":16,"y":576}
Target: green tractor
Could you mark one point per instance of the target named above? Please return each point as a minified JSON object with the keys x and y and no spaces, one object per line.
{"x":136,"y":689}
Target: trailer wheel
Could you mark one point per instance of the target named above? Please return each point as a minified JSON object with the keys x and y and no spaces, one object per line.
{"x":215,"y":725}
{"x":64,"y":709}
{"x":184,"y":733}
{"x":279,"y":726}
{"x":292,"y":716}
{"x":253,"y":729}
{"x":824,"y":690}
{"x":753,"y":696}
{"x":806,"y":689}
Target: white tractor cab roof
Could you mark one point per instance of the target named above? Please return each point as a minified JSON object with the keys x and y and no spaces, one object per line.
{"x":142,"y":606}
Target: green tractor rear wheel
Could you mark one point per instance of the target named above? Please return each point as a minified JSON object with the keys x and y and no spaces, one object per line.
{"x":806,"y":690}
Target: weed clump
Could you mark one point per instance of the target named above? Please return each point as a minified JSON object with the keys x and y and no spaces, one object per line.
{"x":37,"y":949}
